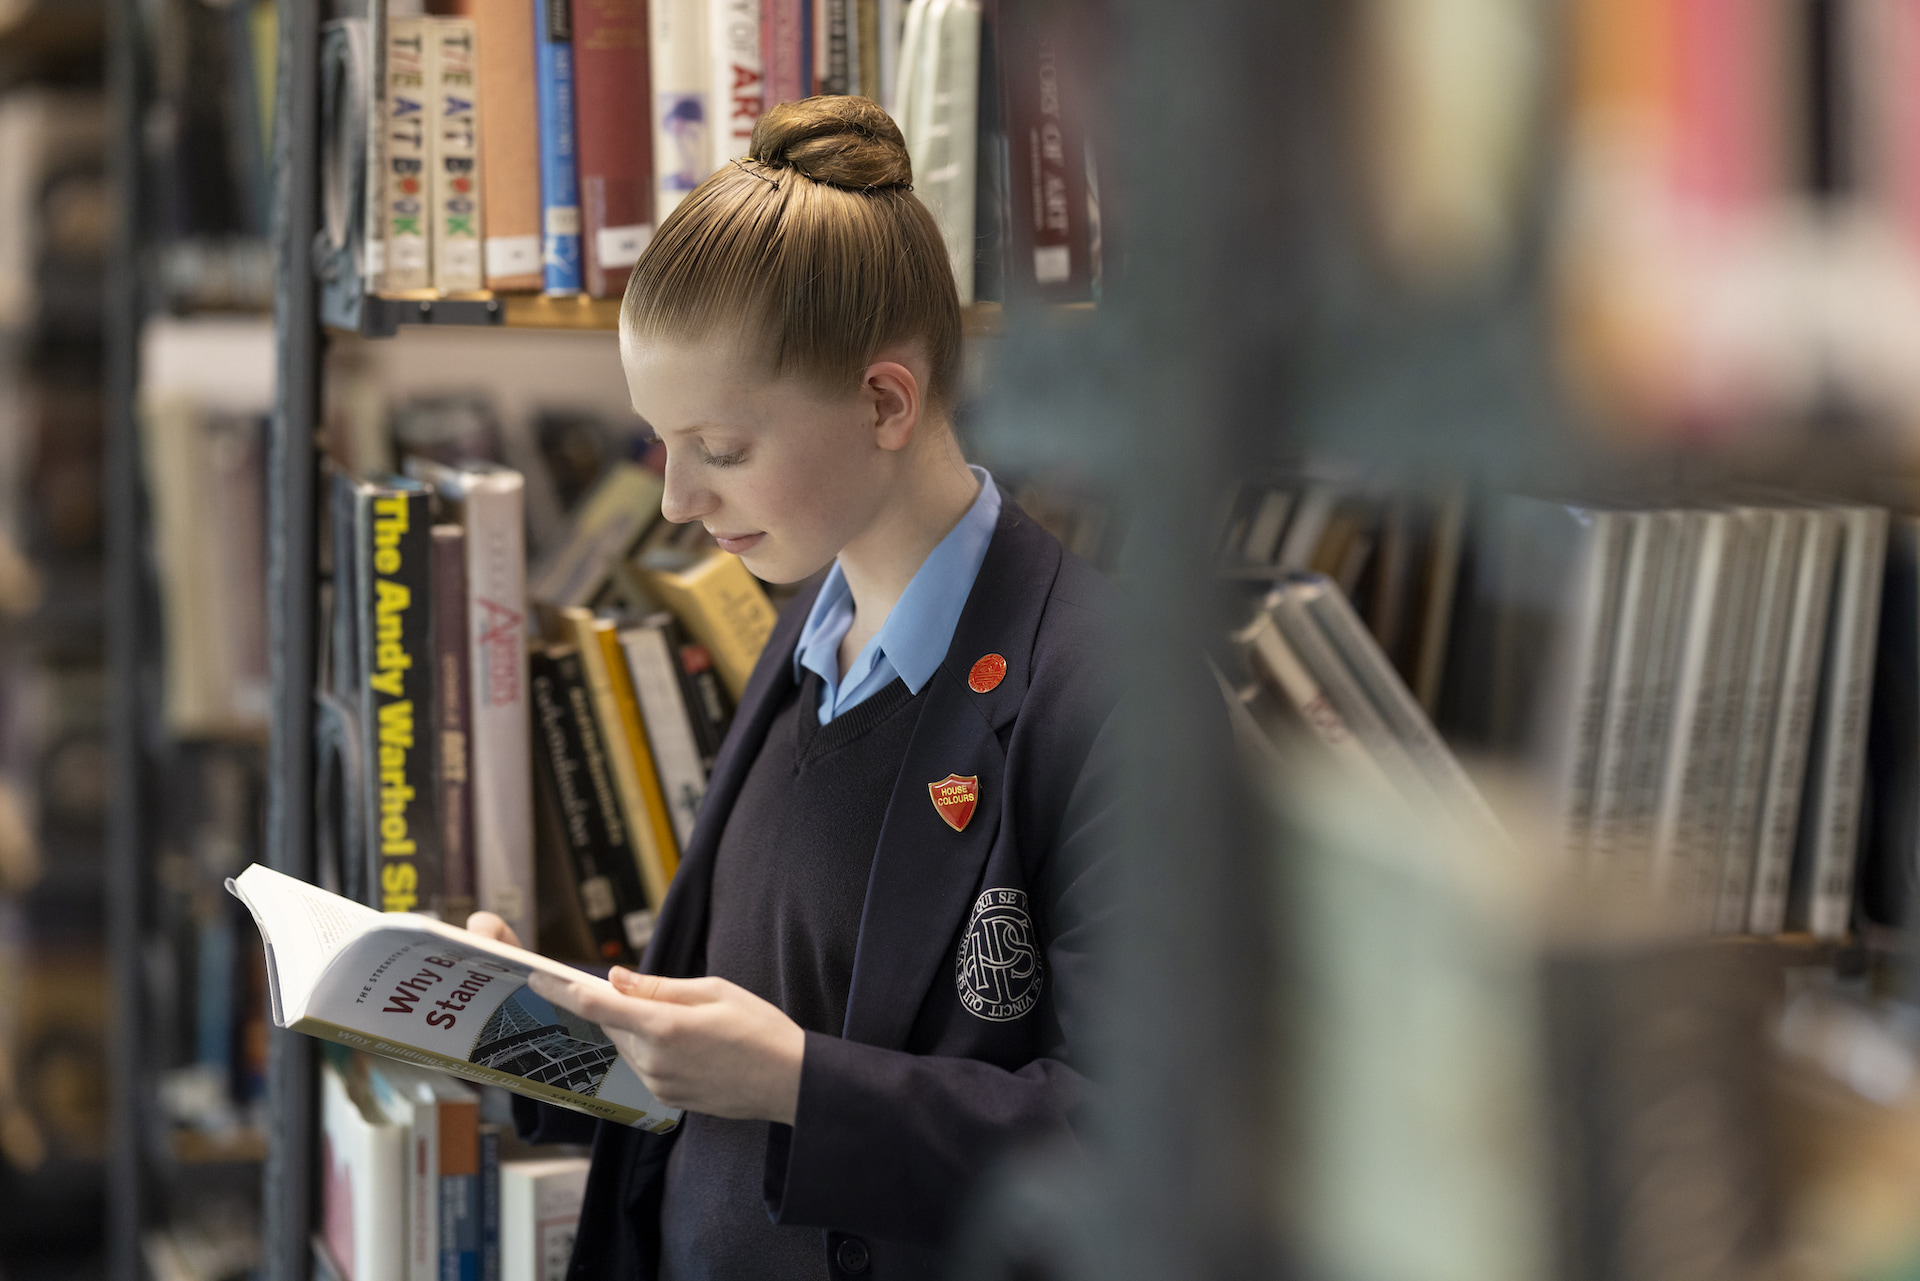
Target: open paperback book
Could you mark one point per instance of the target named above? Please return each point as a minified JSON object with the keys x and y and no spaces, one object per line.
{"x":413,"y":988}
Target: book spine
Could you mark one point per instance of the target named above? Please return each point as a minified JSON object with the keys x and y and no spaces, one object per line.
{"x":1048,"y":240}
{"x":890,"y":16}
{"x":509,"y":142}
{"x":459,"y":1191}
{"x":949,"y":150}
{"x":782,"y":52}
{"x":733,"y":30}
{"x":706,"y":698}
{"x":559,"y":171}
{"x":683,"y":102}
{"x":639,"y":802}
{"x":1793,"y":725}
{"x":665,"y":845}
{"x":613,"y":88}
{"x":489,"y":1203}
{"x":1275,"y":660}
{"x":396,"y":699}
{"x":452,"y":718}
{"x":836,"y":76}
{"x":725,"y":609}
{"x":866,"y":47}
{"x":406,"y":216}
{"x":457,"y":231}
{"x":1591,"y":642}
{"x":669,"y":727}
{"x":500,"y":792}
{"x":424,"y":1202}
{"x":1848,"y":691}
{"x":576,"y":766}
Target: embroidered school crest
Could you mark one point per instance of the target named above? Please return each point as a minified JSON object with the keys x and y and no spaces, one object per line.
{"x":999,"y":963}
{"x":954,"y":799}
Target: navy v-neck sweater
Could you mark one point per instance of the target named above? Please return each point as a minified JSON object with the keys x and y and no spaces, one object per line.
{"x":789,"y":885}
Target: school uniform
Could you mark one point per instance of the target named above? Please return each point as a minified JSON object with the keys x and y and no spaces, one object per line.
{"x":914,"y":862}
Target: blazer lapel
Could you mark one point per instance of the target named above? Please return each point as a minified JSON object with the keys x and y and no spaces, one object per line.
{"x":679,"y":941}
{"x":925,"y":875}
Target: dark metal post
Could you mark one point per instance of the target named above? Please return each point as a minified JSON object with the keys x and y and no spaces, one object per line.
{"x":291,"y":480}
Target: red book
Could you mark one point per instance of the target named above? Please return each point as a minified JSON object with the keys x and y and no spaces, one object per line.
{"x":784,"y":59}
{"x":613,"y":126}
{"x":1050,"y":237}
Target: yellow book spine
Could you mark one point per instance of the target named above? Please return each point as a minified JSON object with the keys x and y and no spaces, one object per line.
{"x":626,"y":772}
{"x":636,"y":729}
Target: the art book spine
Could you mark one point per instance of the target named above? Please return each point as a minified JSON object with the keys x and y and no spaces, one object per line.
{"x":575,"y":760}
{"x":501,"y":791}
{"x":682,"y":100}
{"x":612,"y":82}
{"x":452,"y":719}
{"x":406,"y":146}
{"x":373,"y":123}
{"x":559,"y":172}
{"x":509,"y":142}
{"x":396,"y":658}
{"x":782,"y":49}
{"x":456,"y":157}
{"x":733,"y":33}
{"x":1048,"y":238}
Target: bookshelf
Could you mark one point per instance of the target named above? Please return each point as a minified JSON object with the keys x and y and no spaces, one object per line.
{"x":382,"y":316}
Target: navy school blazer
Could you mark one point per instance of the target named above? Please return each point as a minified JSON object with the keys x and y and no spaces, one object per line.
{"x":966,"y":1031}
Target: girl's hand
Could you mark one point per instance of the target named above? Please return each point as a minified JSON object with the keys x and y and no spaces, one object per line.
{"x":489,"y":926}
{"x":706,"y":1045}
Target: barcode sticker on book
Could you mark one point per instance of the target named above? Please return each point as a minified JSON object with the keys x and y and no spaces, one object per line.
{"x":596,"y":898}
{"x":1052,"y":264}
{"x":621,"y":246}
{"x":512,"y":255}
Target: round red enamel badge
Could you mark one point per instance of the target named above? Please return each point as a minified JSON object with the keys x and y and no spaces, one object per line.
{"x":986,"y":673}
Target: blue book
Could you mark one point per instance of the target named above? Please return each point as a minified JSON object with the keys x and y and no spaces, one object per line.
{"x":559,"y":168}
{"x":460,"y":1226}
{"x":489,"y":1203}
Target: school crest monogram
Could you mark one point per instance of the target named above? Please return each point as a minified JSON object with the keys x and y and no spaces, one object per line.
{"x":999,"y":968}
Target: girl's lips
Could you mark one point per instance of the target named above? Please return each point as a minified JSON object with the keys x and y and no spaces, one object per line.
{"x":738,"y":544}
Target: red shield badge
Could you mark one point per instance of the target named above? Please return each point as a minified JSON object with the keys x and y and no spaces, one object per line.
{"x":954,"y":798}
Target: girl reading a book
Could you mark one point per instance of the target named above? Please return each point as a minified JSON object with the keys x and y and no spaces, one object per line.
{"x":871,"y":977}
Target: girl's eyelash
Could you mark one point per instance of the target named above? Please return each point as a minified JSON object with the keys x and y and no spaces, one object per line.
{"x":725,"y":460}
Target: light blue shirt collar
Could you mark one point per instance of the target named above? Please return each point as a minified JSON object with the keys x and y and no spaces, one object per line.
{"x":914,"y":639}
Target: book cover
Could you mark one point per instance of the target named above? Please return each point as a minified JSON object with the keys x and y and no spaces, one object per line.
{"x":1048,"y":238}
{"x":457,"y":233}
{"x":612,"y":89}
{"x":621,"y":508}
{"x":574,"y":757}
{"x":408,"y":987}
{"x":733,"y":36}
{"x":452,"y":719}
{"x":663,"y":710}
{"x":393,"y":548}
{"x":406,"y":151}
{"x":509,"y":143}
{"x":684,"y":101}
{"x":725,"y":608}
{"x":559,"y":172}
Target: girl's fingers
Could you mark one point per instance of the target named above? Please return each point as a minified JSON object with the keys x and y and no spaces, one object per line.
{"x":652,"y":987}
{"x":597,"y":1002}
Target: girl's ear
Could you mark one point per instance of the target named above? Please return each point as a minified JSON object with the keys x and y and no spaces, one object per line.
{"x":893,"y":394}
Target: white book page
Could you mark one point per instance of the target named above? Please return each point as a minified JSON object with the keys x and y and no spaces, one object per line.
{"x":304,"y":926}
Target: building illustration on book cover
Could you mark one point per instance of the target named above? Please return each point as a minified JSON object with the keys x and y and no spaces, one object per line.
{"x":531,"y":1039}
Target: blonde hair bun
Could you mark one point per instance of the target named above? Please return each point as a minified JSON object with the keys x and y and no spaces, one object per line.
{"x":842,"y":141}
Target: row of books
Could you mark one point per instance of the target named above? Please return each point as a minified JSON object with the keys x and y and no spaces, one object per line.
{"x":1722,"y":718}
{"x":415,"y":1188}
{"x":522,"y":146}
{"x":476,"y":721}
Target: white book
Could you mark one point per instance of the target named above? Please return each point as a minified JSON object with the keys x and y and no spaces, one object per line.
{"x":892,"y":19}
{"x":363,"y":1184}
{"x":490,"y":504}
{"x":454,"y":139}
{"x":945,"y":148}
{"x":1838,"y":770}
{"x":1653,"y":741}
{"x":1686,"y":816}
{"x":663,"y":710}
{"x":1275,"y":661}
{"x":540,"y":1205}
{"x":1786,"y":770}
{"x":1310,"y":518}
{"x":406,"y":213}
{"x":903,"y":104}
{"x":685,"y":102}
{"x":1608,"y":843}
{"x":738,"y":89}
{"x":1778,"y":535}
{"x":1268,"y":523}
